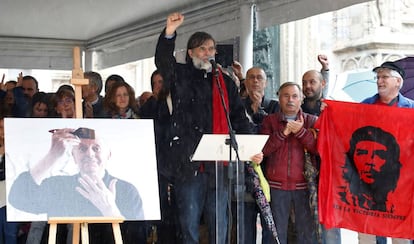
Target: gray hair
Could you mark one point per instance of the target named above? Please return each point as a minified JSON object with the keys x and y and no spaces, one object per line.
{"x":397,"y":75}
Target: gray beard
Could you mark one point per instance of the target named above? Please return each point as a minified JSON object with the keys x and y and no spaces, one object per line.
{"x":201,"y":65}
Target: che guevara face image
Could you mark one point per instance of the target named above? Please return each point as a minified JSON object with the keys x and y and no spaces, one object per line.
{"x":372,"y":168}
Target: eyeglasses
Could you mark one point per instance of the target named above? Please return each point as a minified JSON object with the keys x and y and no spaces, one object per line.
{"x":65,"y":101}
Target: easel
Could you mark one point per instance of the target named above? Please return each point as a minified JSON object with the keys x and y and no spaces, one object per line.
{"x":80,"y":224}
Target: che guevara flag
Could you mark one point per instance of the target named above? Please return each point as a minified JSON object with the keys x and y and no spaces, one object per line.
{"x":366,"y":179}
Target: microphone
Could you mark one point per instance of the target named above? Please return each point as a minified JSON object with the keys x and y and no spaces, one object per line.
{"x":213,"y":64}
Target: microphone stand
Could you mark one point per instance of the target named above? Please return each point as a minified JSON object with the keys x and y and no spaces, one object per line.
{"x":232,"y":142}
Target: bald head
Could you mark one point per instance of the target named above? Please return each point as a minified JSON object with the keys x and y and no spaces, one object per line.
{"x":313,"y":84}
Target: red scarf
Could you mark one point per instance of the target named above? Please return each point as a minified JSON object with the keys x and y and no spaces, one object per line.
{"x":219,"y":115}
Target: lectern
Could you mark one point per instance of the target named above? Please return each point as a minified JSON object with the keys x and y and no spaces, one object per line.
{"x":216,"y":148}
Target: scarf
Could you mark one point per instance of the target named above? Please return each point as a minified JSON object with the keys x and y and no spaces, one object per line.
{"x":219,"y":115}
{"x":129,"y":114}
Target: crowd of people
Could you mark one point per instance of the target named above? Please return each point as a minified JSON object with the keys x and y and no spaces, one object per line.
{"x":187,"y":101}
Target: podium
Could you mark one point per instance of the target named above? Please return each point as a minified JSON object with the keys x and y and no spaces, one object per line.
{"x":216,"y":147}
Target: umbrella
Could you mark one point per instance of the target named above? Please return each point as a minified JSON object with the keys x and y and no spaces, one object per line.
{"x":408,"y":87}
{"x":311,"y":175}
{"x":353,"y":86}
{"x":261,"y":201}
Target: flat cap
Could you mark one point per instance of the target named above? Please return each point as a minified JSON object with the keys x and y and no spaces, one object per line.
{"x":392,"y":66}
{"x":84,"y":133}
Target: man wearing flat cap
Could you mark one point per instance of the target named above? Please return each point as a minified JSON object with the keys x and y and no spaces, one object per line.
{"x":91,"y":192}
{"x":390,"y":78}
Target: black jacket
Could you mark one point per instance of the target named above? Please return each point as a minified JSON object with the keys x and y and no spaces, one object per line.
{"x":268,"y":106}
{"x":191,"y":94}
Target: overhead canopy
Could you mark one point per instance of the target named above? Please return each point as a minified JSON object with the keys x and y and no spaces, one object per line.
{"x":283,"y":11}
{"x":41,"y":34}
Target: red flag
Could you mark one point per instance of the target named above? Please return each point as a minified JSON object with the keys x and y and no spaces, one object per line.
{"x":367,"y":169}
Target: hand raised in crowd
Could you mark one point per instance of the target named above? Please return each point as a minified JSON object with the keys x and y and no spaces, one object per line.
{"x":174,"y":20}
{"x":2,"y":85}
{"x":323,"y":60}
{"x":236,"y":80}
{"x":237,"y":69}
{"x":20,"y":79}
{"x":102,"y":197}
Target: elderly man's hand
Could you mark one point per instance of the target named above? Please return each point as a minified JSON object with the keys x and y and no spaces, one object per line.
{"x":295,"y":125}
{"x":256,"y":98}
{"x":102,"y":197}
{"x":62,"y":140}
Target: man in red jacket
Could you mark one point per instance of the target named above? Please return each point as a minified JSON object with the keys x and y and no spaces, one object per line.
{"x":290,"y":134}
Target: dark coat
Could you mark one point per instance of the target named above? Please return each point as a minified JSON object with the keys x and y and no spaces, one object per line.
{"x":268,"y":106}
{"x":191,"y":94}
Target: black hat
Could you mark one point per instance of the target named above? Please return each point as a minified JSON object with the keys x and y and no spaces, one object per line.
{"x":392,"y":66}
{"x":84,"y":133}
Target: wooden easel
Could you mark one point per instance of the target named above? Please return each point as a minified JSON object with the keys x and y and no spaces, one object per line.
{"x":80,"y":224}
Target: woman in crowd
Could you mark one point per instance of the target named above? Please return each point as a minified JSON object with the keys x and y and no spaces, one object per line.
{"x":119,"y":102}
{"x":64,"y":103}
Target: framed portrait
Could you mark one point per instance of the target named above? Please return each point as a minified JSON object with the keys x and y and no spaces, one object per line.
{"x":80,"y":167}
